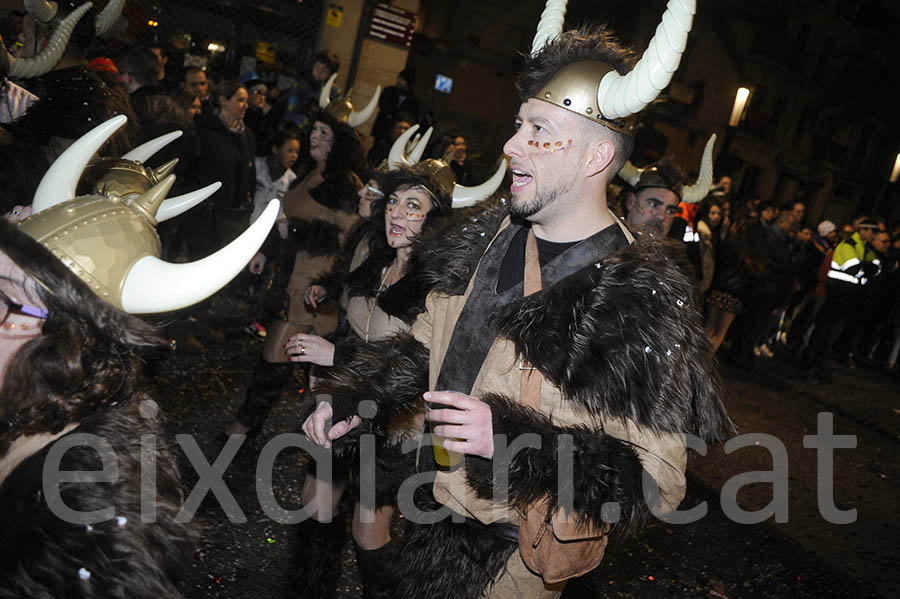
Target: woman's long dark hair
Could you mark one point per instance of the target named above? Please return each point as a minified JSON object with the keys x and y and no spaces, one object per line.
{"x":705,"y":207}
{"x":87,"y":357}
{"x":365,"y":279}
{"x":346,"y":153}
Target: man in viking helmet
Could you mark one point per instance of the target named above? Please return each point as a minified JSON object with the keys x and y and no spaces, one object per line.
{"x":546,"y":331}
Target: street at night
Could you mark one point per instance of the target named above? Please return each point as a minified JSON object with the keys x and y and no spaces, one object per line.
{"x":803,"y":557}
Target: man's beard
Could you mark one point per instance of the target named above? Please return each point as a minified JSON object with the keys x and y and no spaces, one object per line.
{"x":528,"y":209}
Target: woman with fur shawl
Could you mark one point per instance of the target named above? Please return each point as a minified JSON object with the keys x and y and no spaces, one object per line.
{"x":380,"y":294}
{"x":321,"y":210}
{"x":70,"y":369}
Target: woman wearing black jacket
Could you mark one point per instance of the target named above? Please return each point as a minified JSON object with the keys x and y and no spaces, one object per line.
{"x":225,"y":148}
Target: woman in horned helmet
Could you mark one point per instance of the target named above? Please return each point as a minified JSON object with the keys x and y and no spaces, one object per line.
{"x":321,"y":209}
{"x":88,"y":493}
{"x":379,"y":296}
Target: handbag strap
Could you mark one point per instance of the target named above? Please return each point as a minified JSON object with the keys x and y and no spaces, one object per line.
{"x":530,"y":390}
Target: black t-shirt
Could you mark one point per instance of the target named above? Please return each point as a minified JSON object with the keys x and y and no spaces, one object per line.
{"x":512,"y":271}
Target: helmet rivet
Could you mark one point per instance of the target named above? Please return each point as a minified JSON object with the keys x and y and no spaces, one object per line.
{"x":546,"y":94}
{"x":589,"y":110}
{"x":567,"y":102}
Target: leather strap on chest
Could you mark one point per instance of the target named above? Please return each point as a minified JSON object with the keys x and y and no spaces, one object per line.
{"x":530,"y":390}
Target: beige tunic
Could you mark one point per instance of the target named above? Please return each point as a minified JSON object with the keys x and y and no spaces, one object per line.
{"x":299,"y":204}
{"x":371,"y":323}
{"x":663,"y":456}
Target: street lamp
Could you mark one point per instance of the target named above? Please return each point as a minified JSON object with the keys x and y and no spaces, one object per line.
{"x":895,"y":173}
{"x":740,"y":106}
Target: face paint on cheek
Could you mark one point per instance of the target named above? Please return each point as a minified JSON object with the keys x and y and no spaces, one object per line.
{"x":550,"y":146}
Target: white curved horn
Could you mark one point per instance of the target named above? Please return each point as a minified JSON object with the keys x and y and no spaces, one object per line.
{"x":550,"y":25}
{"x":154,"y":285}
{"x":418,"y":149}
{"x":630,"y":173}
{"x":325,"y":94}
{"x":691,"y":194}
{"x":59,"y":183}
{"x":621,"y":96}
{"x":145,"y":151}
{"x":108,"y":16}
{"x":173,"y":207}
{"x":397,"y":155}
{"x":469,"y":196}
{"x":41,"y":10}
{"x":25,"y":68}
{"x":358,"y":118}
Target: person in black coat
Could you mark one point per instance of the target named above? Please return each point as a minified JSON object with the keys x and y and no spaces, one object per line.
{"x":225,"y":152}
{"x":396,"y":99}
{"x":769,"y":289}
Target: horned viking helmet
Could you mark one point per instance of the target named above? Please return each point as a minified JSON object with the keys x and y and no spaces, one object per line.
{"x":110,"y":242}
{"x":640,"y":178}
{"x":595,"y":90}
{"x":407,"y":152}
{"x":45,"y":12}
{"x":342,"y":109}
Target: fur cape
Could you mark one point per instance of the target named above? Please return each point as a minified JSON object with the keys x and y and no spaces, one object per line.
{"x":42,"y":555}
{"x":318,"y":237}
{"x":622,"y":338}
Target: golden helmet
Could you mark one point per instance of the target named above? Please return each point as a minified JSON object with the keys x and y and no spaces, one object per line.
{"x":640,"y":178}
{"x":342,"y":109}
{"x":595,"y":90}
{"x":110,"y":241}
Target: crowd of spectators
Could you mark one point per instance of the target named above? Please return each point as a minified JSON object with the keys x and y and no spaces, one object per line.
{"x":772,"y":280}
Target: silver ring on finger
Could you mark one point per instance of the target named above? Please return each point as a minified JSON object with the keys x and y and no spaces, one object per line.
{"x":302,"y":350}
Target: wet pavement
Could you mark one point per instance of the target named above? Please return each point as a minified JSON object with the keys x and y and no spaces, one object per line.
{"x":803,"y":556}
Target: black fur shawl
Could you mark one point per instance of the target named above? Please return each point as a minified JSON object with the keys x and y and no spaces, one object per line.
{"x":41,"y":555}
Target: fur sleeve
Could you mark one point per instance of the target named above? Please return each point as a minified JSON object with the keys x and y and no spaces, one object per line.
{"x":393,"y":373}
{"x":624,"y":338}
{"x":605,"y":469}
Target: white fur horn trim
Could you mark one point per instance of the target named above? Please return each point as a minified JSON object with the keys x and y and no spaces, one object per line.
{"x":325,"y":94}
{"x":61,"y":179}
{"x":145,"y":151}
{"x":621,"y":96}
{"x":397,"y":155}
{"x":154,"y":285}
{"x":464,"y":197}
{"x":691,"y":194}
{"x":25,"y":68}
{"x":108,"y":16}
{"x":630,"y":173}
{"x":41,"y":10}
{"x":418,"y":149}
{"x":358,"y":118}
{"x":173,"y":207}
{"x":550,"y":25}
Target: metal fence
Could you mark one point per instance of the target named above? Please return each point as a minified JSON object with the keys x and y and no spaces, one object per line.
{"x":273,"y":39}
